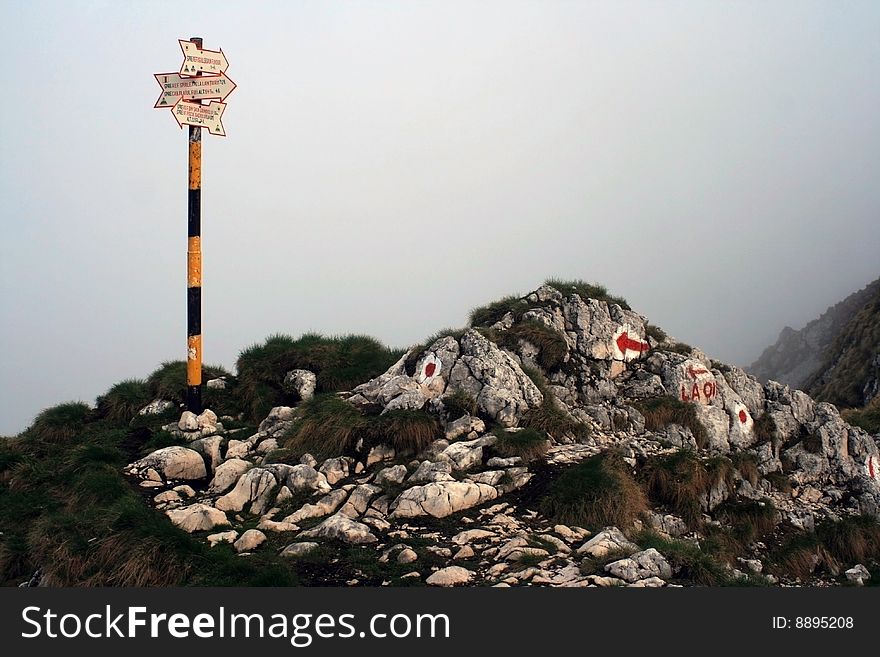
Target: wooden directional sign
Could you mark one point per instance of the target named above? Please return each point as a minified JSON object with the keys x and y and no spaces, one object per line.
{"x":198,"y":60}
{"x":203,"y":116}
{"x":177,"y":87}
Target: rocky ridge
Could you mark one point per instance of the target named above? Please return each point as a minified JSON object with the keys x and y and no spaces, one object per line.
{"x":462,"y":512}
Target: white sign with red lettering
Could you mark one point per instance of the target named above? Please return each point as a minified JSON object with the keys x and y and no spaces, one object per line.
{"x":200,"y":60}
{"x":203,"y":116}
{"x":176,"y":87}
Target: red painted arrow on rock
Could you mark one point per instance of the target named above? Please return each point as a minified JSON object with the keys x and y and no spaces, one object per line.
{"x":626,"y":343}
{"x":694,"y":372}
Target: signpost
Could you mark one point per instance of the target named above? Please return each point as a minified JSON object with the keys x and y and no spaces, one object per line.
{"x":201,"y":77}
{"x":177,"y":87}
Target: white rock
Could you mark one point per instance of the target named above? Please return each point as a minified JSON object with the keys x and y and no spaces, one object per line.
{"x":391,"y":476}
{"x":184,"y":490}
{"x":300,"y":382}
{"x":464,"y":426}
{"x":468,"y":535}
{"x":359,"y":500}
{"x":440,"y":499}
{"x":249,"y":541}
{"x":227,"y":474}
{"x":216,"y":384}
{"x":197,"y":517}
{"x":300,"y":549}
{"x":156,"y":407}
{"x":209,"y":447}
{"x":858,"y":574}
{"x":222,"y":537}
{"x":237,"y":449}
{"x":407,"y":555}
{"x":166,"y":496}
{"x":305,"y":477}
{"x":175,"y":462}
{"x":379,"y":453}
{"x":188,"y":422}
{"x":641,"y":565}
{"x":429,"y":471}
{"x":450,"y":576}
{"x":465,"y":552}
{"x":463,"y":456}
{"x":343,"y":528}
{"x":326,"y":505}
{"x":207,"y":418}
{"x":610,"y":539}
{"x":335,"y":469}
{"x":255,"y":486}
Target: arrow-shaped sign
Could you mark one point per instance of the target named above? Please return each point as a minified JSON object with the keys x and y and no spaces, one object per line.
{"x":207,"y":116}
{"x":626,"y":343}
{"x":198,"y":60}
{"x":176,"y":87}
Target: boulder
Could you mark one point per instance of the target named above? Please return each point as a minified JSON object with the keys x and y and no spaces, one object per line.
{"x":197,"y":517}
{"x":301,"y":383}
{"x":301,"y":549}
{"x":156,"y":407}
{"x":440,"y":499}
{"x":249,"y":541}
{"x":610,"y":539}
{"x":450,"y":576}
{"x":222,"y":537}
{"x":429,"y":471}
{"x":335,"y":469}
{"x":255,"y":486}
{"x":188,"y":421}
{"x":391,"y":476}
{"x":342,"y":528}
{"x":305,"y":477}
{"x":175,"y":462}
{"x":325,"y":506}
{"x":227,"y":474}
{"x":641,"y":565}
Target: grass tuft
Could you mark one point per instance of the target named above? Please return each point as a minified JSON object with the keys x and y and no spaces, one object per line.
{"x":59,"y":424}
{"x":682,"y":480}
{"x":586,"y":291}
{"x":340,"y":363}
{"x":529,"y":444}
{"x":122,"y":402}
{"x":597,"y":492}
{"x":329,"y":426}
{"x":660,"y":412}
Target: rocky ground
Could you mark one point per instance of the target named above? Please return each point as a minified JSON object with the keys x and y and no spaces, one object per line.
{"x":462,"y":510}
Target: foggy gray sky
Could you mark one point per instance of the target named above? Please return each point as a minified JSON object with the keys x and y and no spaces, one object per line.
{"x":390,"y":165}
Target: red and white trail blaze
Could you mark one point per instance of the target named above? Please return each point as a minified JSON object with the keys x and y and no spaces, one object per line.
{"x":431,"y":367}
{"x":872,"y":468}
{"x":627,"y":345}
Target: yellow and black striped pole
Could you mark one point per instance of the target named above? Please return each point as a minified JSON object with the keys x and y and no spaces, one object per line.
{"x":194,"y":270}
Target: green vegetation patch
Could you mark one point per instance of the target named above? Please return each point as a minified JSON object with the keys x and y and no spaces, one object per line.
{"x":529,"y":444}
{"x":682,"y":481}
{"x":660,"y":412}
{"x":340,"y":363}
{"x":597,"y":492}
{"x":328,"y":426}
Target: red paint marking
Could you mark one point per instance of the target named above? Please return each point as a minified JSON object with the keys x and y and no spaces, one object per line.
{"x":871,"y":466}
{"x":695,"y":372}
{"x":626,"y":343}
{"x":429,"y":369}
{"x":743,"y":417}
